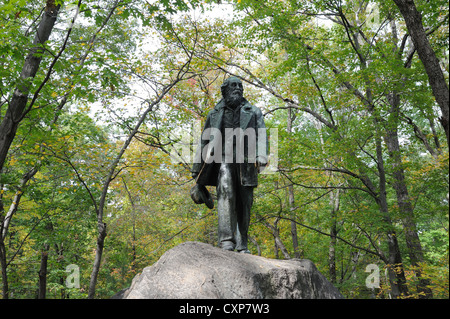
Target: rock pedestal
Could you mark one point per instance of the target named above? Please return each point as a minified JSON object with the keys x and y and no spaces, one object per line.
{"x":196,"y":270}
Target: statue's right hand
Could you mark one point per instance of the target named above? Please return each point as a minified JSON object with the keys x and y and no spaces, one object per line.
{"x":194,"y":175}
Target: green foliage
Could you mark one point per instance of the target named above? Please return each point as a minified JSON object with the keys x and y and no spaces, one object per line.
{"x":292,"y":54}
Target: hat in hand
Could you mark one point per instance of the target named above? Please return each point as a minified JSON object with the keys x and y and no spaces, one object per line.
{"x":200,"y":195}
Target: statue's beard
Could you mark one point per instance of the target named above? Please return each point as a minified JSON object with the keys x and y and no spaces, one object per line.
{"x":233,"y":99}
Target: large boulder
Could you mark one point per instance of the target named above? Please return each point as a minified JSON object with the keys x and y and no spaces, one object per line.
{"x":197,"y":270}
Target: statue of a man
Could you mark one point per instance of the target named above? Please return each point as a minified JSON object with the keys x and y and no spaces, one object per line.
{"x":232,"y":150}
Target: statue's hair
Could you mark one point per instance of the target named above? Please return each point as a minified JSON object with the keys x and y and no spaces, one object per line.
{"x":225,"y":84}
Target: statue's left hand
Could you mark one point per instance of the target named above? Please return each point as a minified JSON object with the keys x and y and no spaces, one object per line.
{"x":260,"y":164}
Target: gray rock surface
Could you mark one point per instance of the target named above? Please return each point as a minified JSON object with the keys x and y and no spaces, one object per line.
{"x":197,"y":270}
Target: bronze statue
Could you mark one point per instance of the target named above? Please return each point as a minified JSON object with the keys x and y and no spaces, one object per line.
{"x":232,"y":150}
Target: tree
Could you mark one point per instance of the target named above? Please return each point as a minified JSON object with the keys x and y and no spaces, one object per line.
{"x":427,"y":55}
{"x":17,"y":106}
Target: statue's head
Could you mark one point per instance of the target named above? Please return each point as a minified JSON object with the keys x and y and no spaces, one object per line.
{"x":232,"y":91}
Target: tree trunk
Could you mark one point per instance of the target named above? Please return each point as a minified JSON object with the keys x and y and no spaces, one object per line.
{"x":5,"y":288}
{"x":395,"y":264}
{"x":18,"y":102}
{"x":15,"y":203}
{"x":254,"y":242}
{"x":133,"y":216}
{"x":294,"y":235}
{"x":5,"y":221}
{"x":413,"y":19}
{"x":291,"y":196}
{"x":98,"y":258}
{"x":334,"y":201}
{"x":404,"y":202}
{"x":60,"y":253}
{"x":277,"y":240}
{"x":43,"y":273}
{"x":332,"y":253}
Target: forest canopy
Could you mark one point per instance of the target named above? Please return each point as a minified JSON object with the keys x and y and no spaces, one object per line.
{"x":101,"y":104}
